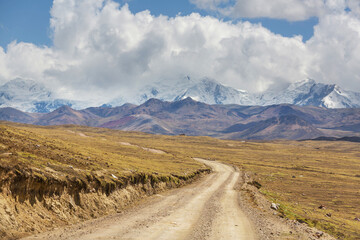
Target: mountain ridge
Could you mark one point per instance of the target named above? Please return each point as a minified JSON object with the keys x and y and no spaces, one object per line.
{"x":190,"y":117}
{"x":29,"y":96}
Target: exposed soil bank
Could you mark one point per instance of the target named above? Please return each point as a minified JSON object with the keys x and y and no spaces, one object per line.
{"x":207,"y":209}
{"x":33,"y":202}
{"x":223,"y":205}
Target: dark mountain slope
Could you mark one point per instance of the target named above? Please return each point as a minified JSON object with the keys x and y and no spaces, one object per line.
{"x":14,"y":115}
{"x":195,"y":118}
{"x":67,"y":115}
{"x":105,"y":112}
{"x":282,"y":127}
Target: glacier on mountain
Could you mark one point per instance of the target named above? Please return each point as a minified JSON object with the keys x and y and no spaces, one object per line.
{"x":308,"y":92}
{"x":29,"y":96}
{"x":303,"y":93}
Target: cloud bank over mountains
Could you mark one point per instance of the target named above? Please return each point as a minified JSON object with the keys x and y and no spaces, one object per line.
{"x":101,"y":49}
{"x":292,"y":10}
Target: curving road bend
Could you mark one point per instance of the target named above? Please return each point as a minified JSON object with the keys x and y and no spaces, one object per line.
{"x":207,"y":209}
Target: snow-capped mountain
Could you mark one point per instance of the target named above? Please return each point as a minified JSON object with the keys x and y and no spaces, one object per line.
{"x":303,"y":93}
{"x":29,"y":96}
{"x":212,"y":92}
{"x":205,"y":90}
{"x":308,"y":92}
{"x":159,"y":90}
{"x":165,"y":91}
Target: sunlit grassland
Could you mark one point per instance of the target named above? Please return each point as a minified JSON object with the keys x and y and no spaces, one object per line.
{"x":79,"y":152}
{"x":300,"y":176}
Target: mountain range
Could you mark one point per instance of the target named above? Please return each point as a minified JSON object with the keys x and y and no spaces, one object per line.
{"x":29,"y":96}
{"x":191,"y":117}
{"x":304,"y":110}
{"x":303,"y":93}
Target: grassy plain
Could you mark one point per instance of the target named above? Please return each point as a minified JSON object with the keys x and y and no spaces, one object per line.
{"x":79,"y":151}
{"x":300,"y":176}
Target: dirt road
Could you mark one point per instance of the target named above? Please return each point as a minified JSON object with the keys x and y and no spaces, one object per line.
{"x":207,"y":209}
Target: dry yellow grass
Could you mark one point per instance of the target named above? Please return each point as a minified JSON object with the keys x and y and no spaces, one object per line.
{"x":300,"y":176}
{"x":86,"y":149}
{"x":56,"y":176}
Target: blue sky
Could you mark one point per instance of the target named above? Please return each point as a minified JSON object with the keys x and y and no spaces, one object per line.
{"x":28,"y":21}
{"x":24,"y":20}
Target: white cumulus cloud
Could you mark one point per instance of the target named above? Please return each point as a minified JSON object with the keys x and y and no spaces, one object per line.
{"x":292,"y":10}
{"x":102,"y":50}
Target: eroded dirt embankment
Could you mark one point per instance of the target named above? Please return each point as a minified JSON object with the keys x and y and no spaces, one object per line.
{"x":207,"y":209}
{"x":32,"y":201}
{"x":217,"y":207}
